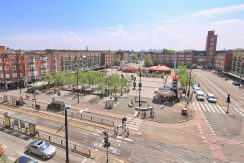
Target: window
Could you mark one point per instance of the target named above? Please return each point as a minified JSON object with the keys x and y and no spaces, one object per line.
{"x":5,"y":59}
{"x":14,"y":75}
{"x":1,"y":67}
{"x":0,"y":60}
{"x":13,"y":60}
{"x":7,"y":75}
{"x":21,"y":75}
{"x":13,"y":67}
{"x":6,"y":68}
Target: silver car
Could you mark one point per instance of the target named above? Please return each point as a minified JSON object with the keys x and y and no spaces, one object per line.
{"x":211,"y":98}
{"x":200,"y":96}
{"x":42,"y":148}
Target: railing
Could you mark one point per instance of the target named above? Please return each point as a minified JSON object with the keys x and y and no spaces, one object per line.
{"x":98,"y":119}
{"x":73,"y":147}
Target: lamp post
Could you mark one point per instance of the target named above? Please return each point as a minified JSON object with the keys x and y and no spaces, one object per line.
{"x":77,"y":83}
{"x":66,"y":131}
{"x":66,"y":136}
{"x":240,"y":74}
{"x":188,"y":93}
{"x":140,"y":85}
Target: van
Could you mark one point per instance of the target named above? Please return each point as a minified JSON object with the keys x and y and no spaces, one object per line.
{"x":56,"y":105}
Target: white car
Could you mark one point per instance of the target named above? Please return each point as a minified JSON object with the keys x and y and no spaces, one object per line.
{"x":200,"y":96}
{"x":211,"y":98}
{"x":197,"y":89}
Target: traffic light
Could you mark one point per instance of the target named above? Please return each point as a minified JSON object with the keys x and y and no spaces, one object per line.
{"x":175,"y":84}
{"x":105,"y":140}
{"x":228,"y":98}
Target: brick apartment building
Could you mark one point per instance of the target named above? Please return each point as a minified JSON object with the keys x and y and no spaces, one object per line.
{"x":182,"y":58}
{"x":222,"y":61}
{"x":23,"y":66}
{"x":237,"y":62}
{"x":39,"y":63}
{"x":11,"y":68}
{"x":210,"y":48}
{"x":107,"y":59}
{"x":122,"y":56}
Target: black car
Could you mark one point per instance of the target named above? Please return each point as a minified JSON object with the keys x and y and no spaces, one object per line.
{"x":56,"y":105}
{"x":25,"y":159}
{"x":236,"y":83}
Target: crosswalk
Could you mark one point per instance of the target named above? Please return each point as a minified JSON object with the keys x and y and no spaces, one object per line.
{"x":237,"y":110}
{"x":208,"y":107}
{"x":215,"y":108}
{"x":133,"y":123}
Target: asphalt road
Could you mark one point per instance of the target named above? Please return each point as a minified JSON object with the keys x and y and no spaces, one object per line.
{"x":227,"y":125}
{"x":15,"y":146}
{"x":217,"y":85}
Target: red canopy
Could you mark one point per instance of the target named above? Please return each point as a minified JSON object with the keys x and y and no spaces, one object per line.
{"x":159,"y":68}
{"x":130,"y":69}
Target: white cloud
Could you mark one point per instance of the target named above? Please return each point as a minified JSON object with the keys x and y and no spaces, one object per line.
{"x":71,"y":37}
{"x":120,"y":33}
{"x":219,"y":10}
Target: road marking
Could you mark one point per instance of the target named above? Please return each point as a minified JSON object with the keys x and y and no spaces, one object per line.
{"x":198,"y":106}
{"x":207,"y":108}
{"x":202,"y":107}
{"x":210,"y":106}
{"x":239,"y":111}
{"x":218,"y":107}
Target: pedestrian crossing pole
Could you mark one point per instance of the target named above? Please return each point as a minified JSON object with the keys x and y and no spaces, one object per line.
{"x":228,"y":102}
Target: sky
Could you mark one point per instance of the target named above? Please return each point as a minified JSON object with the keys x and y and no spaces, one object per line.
{"x":120,"y":24}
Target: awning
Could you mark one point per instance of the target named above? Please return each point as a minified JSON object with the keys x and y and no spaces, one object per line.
{"x":159,"y":68}
{"x":23,"y":118}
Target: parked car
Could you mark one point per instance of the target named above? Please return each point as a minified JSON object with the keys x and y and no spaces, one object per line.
{"x":200,"y":96}
{"x":236,"y":83}
{"x":42,"y":149}
{"x":197,"y":89}
{"x":25,"y":159}
{"x":211,"y":98}
{"x":56,"y":105}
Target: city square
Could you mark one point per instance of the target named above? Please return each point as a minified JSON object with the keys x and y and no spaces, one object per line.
{"x":81,"y":97}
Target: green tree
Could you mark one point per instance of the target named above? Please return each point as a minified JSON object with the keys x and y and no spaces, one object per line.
{"x":116,"y":62}
{"x":148,"y":61}
{"x":134,"y":57}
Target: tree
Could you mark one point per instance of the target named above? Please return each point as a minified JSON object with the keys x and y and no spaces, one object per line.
{"x":134,"y":57}
{"x":116,"y":62}
{"x":148,"y":61}
{"x":168,"y":51}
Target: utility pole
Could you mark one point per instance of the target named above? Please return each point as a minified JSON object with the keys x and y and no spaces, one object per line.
{"x":78,"y":91}
{"x":66,"y":136}
{"x":140,"y":85}
{"x":188,"y":94}
{"x":240,"y":75}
